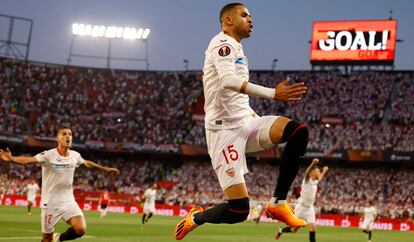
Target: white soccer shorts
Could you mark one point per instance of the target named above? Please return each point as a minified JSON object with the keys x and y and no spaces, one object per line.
{"x":367,"y":224}
{"x":51,"y":216}
{"x":31,"y":199}
{"x":305,"y":213}
{"x":149,"y":208}
{"x":227,"y":148}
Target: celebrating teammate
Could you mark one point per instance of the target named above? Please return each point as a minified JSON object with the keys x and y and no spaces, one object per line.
{"x":32,"y":190}
{"x":370,"y":213}
{"x":233,"y":128}
{"x":149,"y":203}
{"x":257,"y":212}
{"x":103,"y":203}
{"x":58,"y":201}
{"x":305,"y":209}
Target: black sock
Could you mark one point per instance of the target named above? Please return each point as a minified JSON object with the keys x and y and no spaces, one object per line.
{"x":222,"y":213}
{"x":149,"y":216}
{"x":297,"y":140}
{"x":69,"y":234}
{"x":312,"y":237}
{"x":143,"y":218}
{"x":286,"y":230}
{"x":28,"y":208}
{"x":369,"y":235}
{"x":365,"y":231}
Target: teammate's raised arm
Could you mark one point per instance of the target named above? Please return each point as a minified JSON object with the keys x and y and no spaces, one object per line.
{"x":7,"y":156}
{"x":324,"y":171}
{"x":315,"y":161}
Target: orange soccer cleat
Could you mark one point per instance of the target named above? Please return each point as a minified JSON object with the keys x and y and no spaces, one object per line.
{"x":284,"y":213}
{"x":186,"y":225}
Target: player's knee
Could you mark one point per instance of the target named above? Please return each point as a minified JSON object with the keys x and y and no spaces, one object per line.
{"x":239,"y":209}
{"x":296,"y":131}
{"x":80,"y":231}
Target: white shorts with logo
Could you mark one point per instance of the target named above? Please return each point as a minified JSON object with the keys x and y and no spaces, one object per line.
{"x":306,"y":213}
{"x":149,"y":208}
{"x":368,"y":224}
{"x":31,"y":199}
{"x":51,"y":216}
{"x":227,"y":148}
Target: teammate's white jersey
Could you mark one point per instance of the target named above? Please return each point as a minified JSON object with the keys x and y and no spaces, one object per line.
{"x":32,"y":190}
{"x":370,"y":213}
{"x":149,"y":195}
{"x":57,"y":177}
{"x":224,"y":108}
{"x":308,"y":192}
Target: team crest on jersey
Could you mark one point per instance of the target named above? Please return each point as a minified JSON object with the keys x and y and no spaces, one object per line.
{"x":230,"y":172}
{"x":224,"y":51}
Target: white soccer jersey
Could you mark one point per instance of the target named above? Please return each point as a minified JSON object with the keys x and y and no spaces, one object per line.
{"x":370,"y":213}
{"x":57,"y":177}
{"x":32,"y":190}
{"x":308,"y":192}
{"x":224,"y":108}
{"x":149,"y":195}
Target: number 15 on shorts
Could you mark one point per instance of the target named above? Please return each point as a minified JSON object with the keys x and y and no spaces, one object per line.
{"x":231,"y":153}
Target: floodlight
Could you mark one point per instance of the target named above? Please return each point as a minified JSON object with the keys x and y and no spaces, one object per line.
{"x":146,"y":34}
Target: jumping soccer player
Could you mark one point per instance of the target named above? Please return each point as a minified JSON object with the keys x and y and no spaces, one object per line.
{"x":233,"y":128}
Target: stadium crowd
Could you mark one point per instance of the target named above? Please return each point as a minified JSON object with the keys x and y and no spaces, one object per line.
{"x":363,"y":111}
{"x":99,"y":105}
{"x":344,"y":190}
{"x":371,"y":110}
{"x":354,"y":107}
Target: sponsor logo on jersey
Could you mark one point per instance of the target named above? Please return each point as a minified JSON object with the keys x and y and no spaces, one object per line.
{"x":62,"y":166}
{"x":240,"y":61}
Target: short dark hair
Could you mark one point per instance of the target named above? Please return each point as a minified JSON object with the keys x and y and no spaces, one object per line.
{"x":228,"y":7}
{"x":62,"y":127}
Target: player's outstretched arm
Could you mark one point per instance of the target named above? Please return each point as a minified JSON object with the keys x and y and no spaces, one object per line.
{"x":93,"y":165}
{"x":7,"y":156}
{"x":285,"y":92}
{"x":282,"y":92}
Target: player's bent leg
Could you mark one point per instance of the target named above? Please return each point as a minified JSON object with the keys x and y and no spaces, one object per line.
{"x":77,"y":229}
{"x":149,"y":216}
{"x":312,"y":232}
{"x":235,"y":210}
{"x":279,"y":232}
{"x":296,"y":137}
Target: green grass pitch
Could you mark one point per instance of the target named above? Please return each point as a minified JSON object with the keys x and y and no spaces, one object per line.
{"x":16,"y":225}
